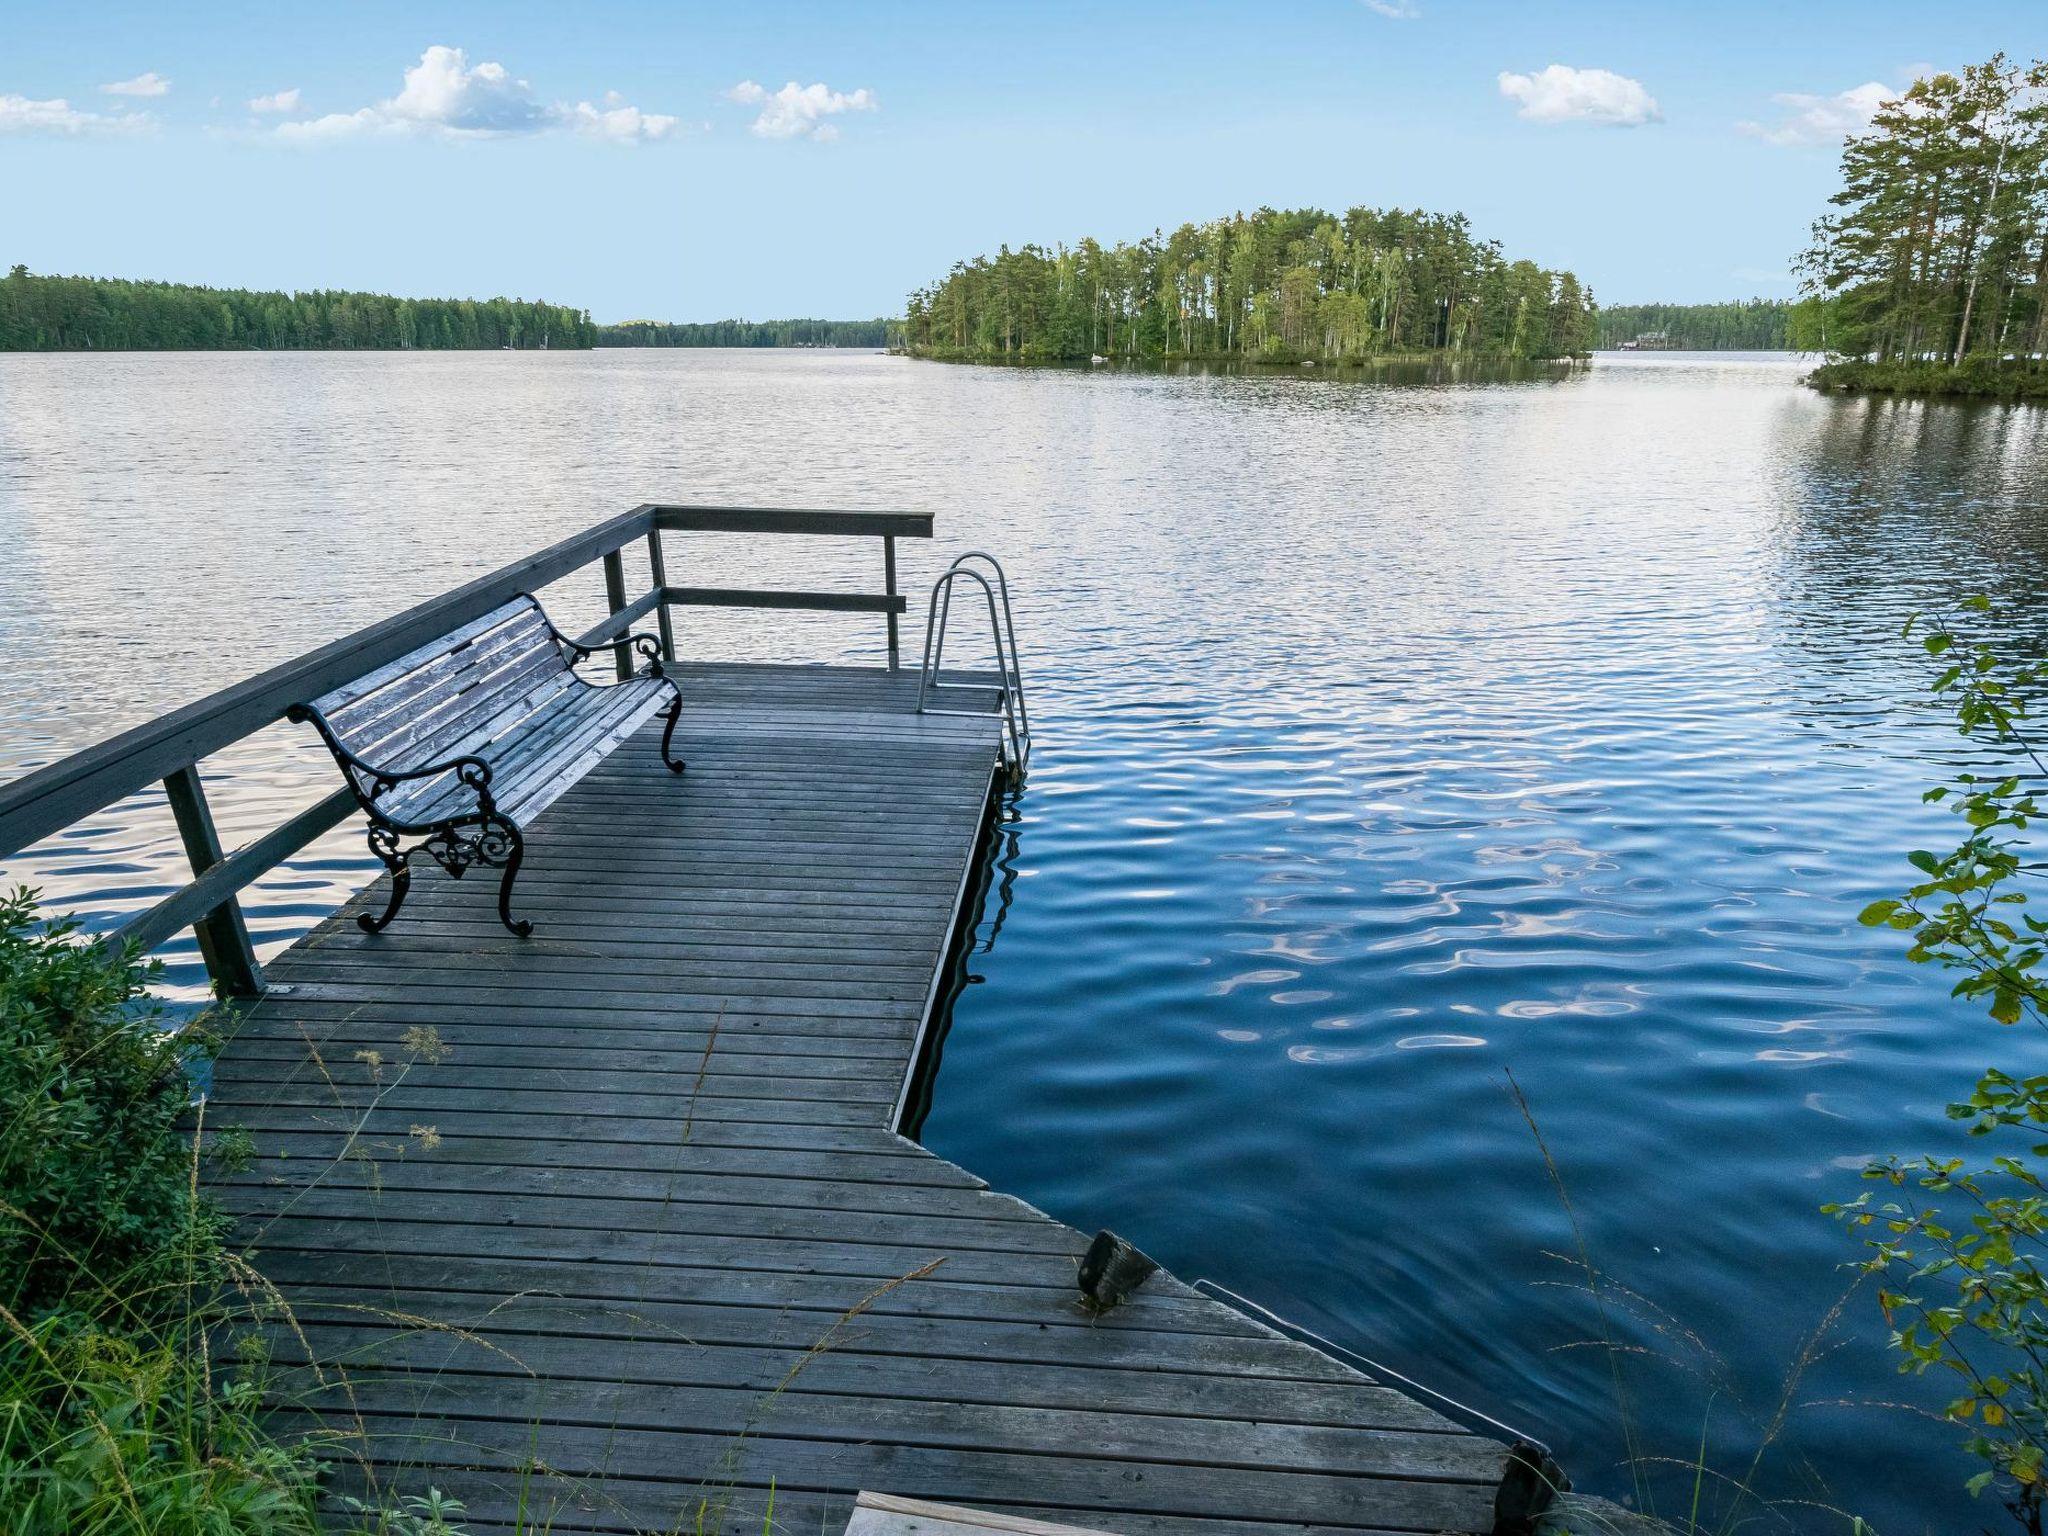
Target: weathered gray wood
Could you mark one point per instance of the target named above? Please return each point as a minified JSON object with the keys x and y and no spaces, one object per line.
{"x":909,"y":525}
{"x":882,"y":1514}
{"x":615,"y":601}
{"x":187,"y":905}
{"x":657,"y":568}
{"x":767,"y":597}
{"x":223,"y":936}
{"x":645,"y":1165}
{"x":889,"y":588}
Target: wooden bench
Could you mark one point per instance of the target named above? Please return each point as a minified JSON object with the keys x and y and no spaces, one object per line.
{"x":464,"y":741}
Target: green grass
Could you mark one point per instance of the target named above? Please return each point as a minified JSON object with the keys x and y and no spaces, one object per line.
{"x":1977,"y":378}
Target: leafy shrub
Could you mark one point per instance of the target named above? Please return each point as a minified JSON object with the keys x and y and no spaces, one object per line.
{"x":1968,"y":1296}
{"x":114,"y":1417}
{"x":94,"y":1173}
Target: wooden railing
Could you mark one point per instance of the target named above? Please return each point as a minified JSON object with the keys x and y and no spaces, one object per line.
{"x":169,"y":750}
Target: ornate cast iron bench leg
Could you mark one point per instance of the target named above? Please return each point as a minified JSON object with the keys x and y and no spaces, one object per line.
{"x":668,"y":735}
{"x":384,"y":844}
{"x":514,"y":856}
{"x":496,"y":843}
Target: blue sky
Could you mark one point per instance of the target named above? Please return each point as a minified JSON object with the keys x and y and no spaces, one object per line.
{"x":692,"y":162}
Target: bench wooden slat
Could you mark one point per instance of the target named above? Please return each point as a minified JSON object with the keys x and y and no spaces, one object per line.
{"x":502,"y":690}
{"x":379,"y":714}
{"x":332,"y":702}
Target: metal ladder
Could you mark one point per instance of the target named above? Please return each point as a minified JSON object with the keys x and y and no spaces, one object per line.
{"x":1002,"y":630}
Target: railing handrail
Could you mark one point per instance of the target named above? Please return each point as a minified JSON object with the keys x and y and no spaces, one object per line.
{"x":60,"y":794}
{"x":55,"y":796}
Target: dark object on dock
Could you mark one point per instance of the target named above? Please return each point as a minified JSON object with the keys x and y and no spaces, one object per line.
{"x":462,"y":742}
{"x":1529,"y":1485}
{"x":1112,"y":1269}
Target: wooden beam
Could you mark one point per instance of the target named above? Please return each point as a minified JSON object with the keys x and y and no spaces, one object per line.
{"x":908,"y":525}
{"x":621,"y":620}
{"x":889,"y":586}
{"x":223,"y":936}
{"x":884,"y":1514}
{"x":188,"y":905}
{"x":658,"y":569}
{"x":743,"y":597}
{"x":615,"y":601}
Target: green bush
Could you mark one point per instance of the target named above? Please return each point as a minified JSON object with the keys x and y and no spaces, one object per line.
{"x":95,"y":1176}
{"x":116,"y":1417}
{"x":1966,"y":1295}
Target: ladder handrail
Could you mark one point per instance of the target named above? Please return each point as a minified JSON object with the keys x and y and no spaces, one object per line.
{"x":1016,"y":668}
{"x":1002,"y":631}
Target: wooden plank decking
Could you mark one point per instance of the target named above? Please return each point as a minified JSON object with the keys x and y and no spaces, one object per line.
{"x":611,"y":1226}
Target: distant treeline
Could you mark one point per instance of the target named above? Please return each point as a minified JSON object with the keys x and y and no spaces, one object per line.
{"x":1279,"y":286}
{"x":1746,"y":325}
{"x":78,"y":314}
{"x":749,"y":333}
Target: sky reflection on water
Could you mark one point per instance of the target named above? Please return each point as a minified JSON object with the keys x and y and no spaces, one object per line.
{"x":1389,"y":739}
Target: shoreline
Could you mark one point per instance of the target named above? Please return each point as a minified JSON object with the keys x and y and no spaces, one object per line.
{"x":2023,"y":385}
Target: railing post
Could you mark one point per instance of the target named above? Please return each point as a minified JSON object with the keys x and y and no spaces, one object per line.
{"x":889,"y":585}
{"x":658,"y":569}
{"x":615,"y":594}
{"x":223,"y":936}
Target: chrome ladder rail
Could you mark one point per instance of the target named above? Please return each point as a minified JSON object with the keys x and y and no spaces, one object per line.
{"x":1002,"y":631}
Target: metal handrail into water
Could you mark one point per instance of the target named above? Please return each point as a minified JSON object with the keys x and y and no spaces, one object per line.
{"x":1003,"y":635}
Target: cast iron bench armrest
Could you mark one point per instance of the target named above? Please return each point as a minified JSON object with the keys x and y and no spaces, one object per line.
{"x":649,"y":646}
{"x":469,"y":769}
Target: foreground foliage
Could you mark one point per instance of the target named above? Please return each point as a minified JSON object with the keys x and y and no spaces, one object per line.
{"x":113,"y":1417}
{"x":1275,"y":286}
{"x":1966,"y":1294}
{"x":1938,"y":254}
{"x":73,"y":314}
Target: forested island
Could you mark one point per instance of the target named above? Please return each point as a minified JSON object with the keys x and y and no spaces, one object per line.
{"x":76,"y":314}
{"x":1932,"y":276}
{"x":1293,"y":286}
{"x":1743,"y":325}
{"x":748,"y":333}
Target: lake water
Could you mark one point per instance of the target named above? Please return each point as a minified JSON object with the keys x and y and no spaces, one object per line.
{"x":1389,"y":740}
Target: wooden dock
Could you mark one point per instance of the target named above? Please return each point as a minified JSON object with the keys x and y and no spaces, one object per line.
{"x":611,"y":1229}
{"x":611,"y":1223}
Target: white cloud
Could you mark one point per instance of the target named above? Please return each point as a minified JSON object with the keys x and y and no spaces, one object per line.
{"x":799,"y":111}
{"x":148,"y":84}
{"x":277,"y":102}
{"x":445,"y":96}
{"x":620,"y":123}
{"x":1399,"y":10}
{"x":1562,"y":94}
{"x":18,"y":114}
{"x":1810,"y":120}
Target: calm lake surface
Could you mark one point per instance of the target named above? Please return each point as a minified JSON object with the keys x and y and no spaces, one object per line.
{"x":1389,"y":739}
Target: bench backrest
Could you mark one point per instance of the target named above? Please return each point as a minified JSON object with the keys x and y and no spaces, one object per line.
{"x":453,"y":695}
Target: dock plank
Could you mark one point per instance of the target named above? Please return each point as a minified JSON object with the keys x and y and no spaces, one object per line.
{"x":614,"y":1223}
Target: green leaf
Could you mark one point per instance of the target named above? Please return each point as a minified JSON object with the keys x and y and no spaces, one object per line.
{"x":1877,"y":912}
{"x":1923,"y":861}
